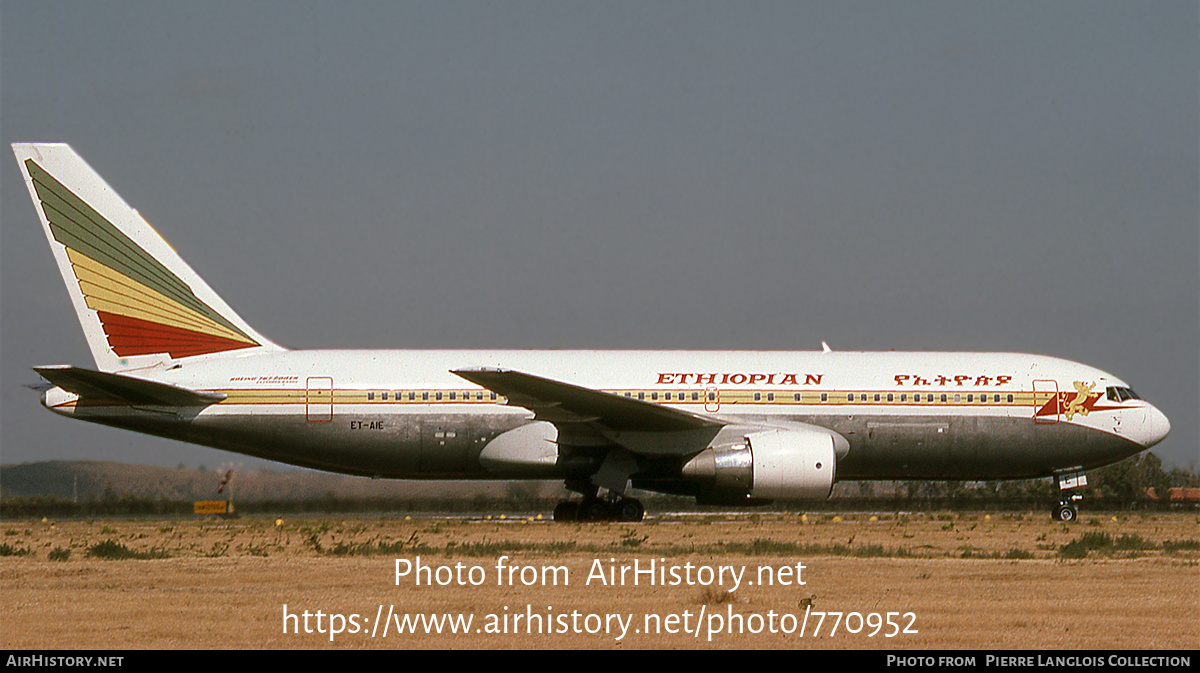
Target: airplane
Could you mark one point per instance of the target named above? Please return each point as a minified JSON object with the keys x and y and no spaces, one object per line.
{"x":732,"y":428}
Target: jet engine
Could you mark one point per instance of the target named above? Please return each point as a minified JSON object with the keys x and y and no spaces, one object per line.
{"x":793,"y":464}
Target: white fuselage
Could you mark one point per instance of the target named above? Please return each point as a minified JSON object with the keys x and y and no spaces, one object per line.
{"x":902,"y":415}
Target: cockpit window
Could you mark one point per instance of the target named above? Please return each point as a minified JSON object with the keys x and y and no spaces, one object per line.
{"x":1119,"y":394}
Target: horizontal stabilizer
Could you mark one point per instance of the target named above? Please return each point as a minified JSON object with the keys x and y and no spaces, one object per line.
{"x":135,"y":391}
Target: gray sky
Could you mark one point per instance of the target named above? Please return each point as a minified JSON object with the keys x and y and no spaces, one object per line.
{"x":1018,"y":176}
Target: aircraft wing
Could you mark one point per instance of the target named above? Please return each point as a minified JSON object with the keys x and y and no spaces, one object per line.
{"x":640,"y":426}
{"x":128,"y":389}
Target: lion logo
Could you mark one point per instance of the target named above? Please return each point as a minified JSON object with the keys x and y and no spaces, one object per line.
{"x":1079,"y":404}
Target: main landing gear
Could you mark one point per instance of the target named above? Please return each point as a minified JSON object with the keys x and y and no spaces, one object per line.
{"x":600,"y":509}
{"x":612,"y":507}
{"x":1067,"y":510}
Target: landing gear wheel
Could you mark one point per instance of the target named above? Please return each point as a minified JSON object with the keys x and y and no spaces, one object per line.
{"x":629,"y":509}
{"x":612,"y":506}
{"x":1065,"y":512}
{"x":1068,"y":482}
{"x":566,"y":510}
{"x":594,"y":509}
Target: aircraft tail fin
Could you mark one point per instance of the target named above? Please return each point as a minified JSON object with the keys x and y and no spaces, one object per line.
{"x":138,"y":302}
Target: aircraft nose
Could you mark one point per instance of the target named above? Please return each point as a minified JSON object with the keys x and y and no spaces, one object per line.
{"x":1155,"y":427}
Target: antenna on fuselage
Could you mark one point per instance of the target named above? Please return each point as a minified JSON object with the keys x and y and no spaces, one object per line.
{"x":825,"y":348}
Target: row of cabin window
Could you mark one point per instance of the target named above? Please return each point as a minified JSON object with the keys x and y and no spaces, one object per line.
{"x":682,"y":397}
{"x":437,"y":395}
{"x":891,"y":397}
{"x":850,"y":397}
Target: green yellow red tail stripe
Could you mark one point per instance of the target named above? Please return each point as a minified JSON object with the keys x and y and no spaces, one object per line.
{"x":142,"y":306}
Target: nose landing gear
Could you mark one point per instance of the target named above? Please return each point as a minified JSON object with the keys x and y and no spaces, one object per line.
{"x":1067,"y":510}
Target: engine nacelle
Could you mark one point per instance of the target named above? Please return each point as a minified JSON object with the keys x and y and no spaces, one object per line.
{"x":772,"y":464}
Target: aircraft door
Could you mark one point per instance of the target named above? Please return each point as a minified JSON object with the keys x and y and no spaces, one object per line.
{"x":1046,"y":407}
{"x":318,"y":399}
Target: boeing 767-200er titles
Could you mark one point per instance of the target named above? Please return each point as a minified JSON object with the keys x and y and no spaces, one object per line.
{"x":728,"y":427}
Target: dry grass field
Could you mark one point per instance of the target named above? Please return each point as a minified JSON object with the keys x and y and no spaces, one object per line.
{"x":911,"y":581}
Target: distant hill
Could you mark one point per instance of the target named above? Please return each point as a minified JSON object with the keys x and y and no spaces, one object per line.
{"x":92,"y":480}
